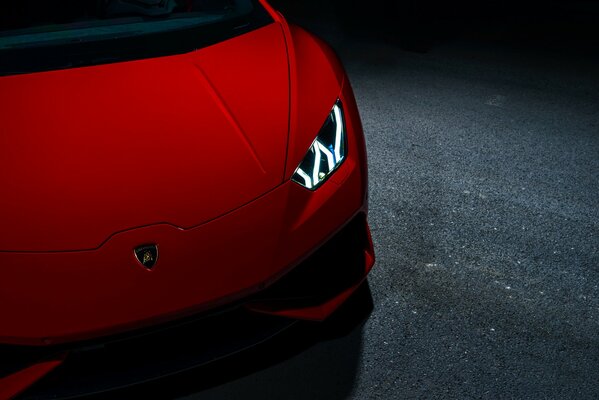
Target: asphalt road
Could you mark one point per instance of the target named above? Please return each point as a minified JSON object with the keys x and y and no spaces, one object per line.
{"x":484,"y":207}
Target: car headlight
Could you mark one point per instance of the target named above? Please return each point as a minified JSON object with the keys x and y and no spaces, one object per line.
{"x":326,"y":153}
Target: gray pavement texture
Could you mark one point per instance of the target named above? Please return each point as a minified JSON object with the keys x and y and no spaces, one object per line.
{"x":484,"y":198}
{"x":484,"y":208}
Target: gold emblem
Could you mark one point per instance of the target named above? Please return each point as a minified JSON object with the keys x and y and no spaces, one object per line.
{"x":147,"y":255}
{"x":147,"y":258}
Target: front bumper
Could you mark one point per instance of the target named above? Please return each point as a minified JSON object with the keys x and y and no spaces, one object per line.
{"x":313,"y":289}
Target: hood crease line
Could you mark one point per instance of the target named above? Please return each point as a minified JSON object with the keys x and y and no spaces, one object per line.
{"x":229,"y":115}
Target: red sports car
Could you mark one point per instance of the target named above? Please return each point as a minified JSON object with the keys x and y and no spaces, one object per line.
{"x":169,"y":166}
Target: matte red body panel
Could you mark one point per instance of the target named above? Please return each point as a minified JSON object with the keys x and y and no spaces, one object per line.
{"x":89,"y":152}
{"x":191,"y":152}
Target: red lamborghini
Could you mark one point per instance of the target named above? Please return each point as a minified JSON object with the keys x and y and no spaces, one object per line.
{"x":188,"y":166}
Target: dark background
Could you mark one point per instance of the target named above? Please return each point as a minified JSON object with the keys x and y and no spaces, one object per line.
{"x":482,"y":124}
{"x":419,"y":25}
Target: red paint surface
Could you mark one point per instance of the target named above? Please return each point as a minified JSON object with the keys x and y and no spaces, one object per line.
{"x":191,"y":152}
{"x":88,"y":152}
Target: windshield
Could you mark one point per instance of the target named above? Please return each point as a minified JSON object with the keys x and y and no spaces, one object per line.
{"x":37,"y":35}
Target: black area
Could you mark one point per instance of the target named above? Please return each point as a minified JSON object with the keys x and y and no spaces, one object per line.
{"x":336,"y":266}
{"x":419,"y":25}
{"x":307,"y":361}
{"x":101,"y":368}
{"x":106,"y":366}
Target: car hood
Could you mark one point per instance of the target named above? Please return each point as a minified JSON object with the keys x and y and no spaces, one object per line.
{"x":181,"y":140}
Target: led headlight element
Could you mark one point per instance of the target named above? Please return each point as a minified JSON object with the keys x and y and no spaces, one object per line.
{"x":326,"y":153}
